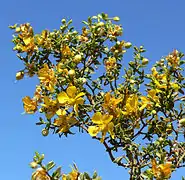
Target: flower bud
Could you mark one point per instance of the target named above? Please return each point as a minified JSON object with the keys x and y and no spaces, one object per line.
{"x":169,"y":128}
{"x":100,"y":24}
{"x":116,"y":18}
{"x":17,"y":29}
{"x":182,"y":122}
{"x":19,"y":75}
{"x":145,"y":61}
{"x":161,"y":139}
{"x":33,"y":165}
{"x":71,"y":72}
{"x":132,"y":81}
{"x":83,"y":80}
{"x":75,"y":32}
{"x":128,"y":45}
{"x":45,"y":132}
{"x":77,"y":58}
{"x":63,"y":21}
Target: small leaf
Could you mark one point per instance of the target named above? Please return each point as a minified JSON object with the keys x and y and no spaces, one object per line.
{"x":39,"y":123}
{"x":118,"y":160}
{"x":50,"y":165}
{"x":86,"y":176}
{"x":37,"y":155}
{"x":13,"y":27}
{"x":95,"y":175}
{"x":94,"y":17}
{"x":70,"y":21}
{"x":86,"y":23}
{"x":57,"y":172}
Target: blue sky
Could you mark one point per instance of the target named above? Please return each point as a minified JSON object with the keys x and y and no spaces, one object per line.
{"x":158,"y":25}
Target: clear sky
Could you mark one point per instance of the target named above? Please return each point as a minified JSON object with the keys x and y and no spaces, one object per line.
{"x":158,"y":25}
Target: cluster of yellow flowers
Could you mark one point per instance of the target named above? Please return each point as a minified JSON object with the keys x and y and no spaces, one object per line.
{"x":47,"y":78}
{"x":161,"y":171}
{"x":26,"y":41}
{"x":65,"y":62}
{"x":161,"y":81}
{"x":67,"y":99}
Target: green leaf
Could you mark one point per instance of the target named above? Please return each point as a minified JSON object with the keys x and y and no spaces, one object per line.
{"x":104,"y":16}
{"x":41,"y":157}
{"x":118,"y":160}
{"x":89,"y":20}
{"x":50,"y":165}
{"x":95,"y":175}
{"x":13,"y":27}
{"x":86,"y":176}
{"x":98,"y":178}
{"x":81,"y":177}
{"x":94,"y":17}
{"x":57,"y":173}
{"x":39,"y":123}
{"x":70,"y":21}
{"x":86,"y":23}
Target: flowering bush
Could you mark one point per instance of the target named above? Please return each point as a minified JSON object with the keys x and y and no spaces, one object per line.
{"x":83,"y":85}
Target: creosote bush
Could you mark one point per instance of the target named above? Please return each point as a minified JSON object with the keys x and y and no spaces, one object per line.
{"x":84,"y":87}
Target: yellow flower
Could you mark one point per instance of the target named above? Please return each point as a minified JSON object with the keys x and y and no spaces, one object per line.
{"x":162,"y":170}
{"x":73,"y":175}
{"x":154,"y":72}
{"x":66,"y":51}
{"x":77,"y":59}
{"x":64,"y":122}
{"x":30,"y":106}
{"x":71,"y":98}
{"x":27,"y":43}
{"x":173,"y":58}
{"x":115,"y":30}
{"x":50,"y":107}
{"x":47,"y":77}
{"x":43,"y":39}
{"x":131,"y":107}
{"x":147,"y":102}
{"x":110,"y":104}
{"x":110,"y":64}
{"x":40,"y":174}
{"x":60,"y":69}
{"x":19,"y":75}
{"x":175,"y":86}
{"x":103,"y":124}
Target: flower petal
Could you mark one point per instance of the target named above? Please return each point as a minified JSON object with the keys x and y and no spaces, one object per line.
{"x":93,"y":130}
{"x":107,"y":98}
{"x":62,"y":97}
{"x":106,"y":118}
{"x":76,"y":109}
{"x":79,"y":101}
{"x":97,"y":118}
{"x":61,"y":112}
{"x":71,"y":91}
{"x":80,"y":95}
{"x":165,"y":169}
{"x":49,"y":115}
{"x":154,"y":167}
{"x":110,"y":129}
